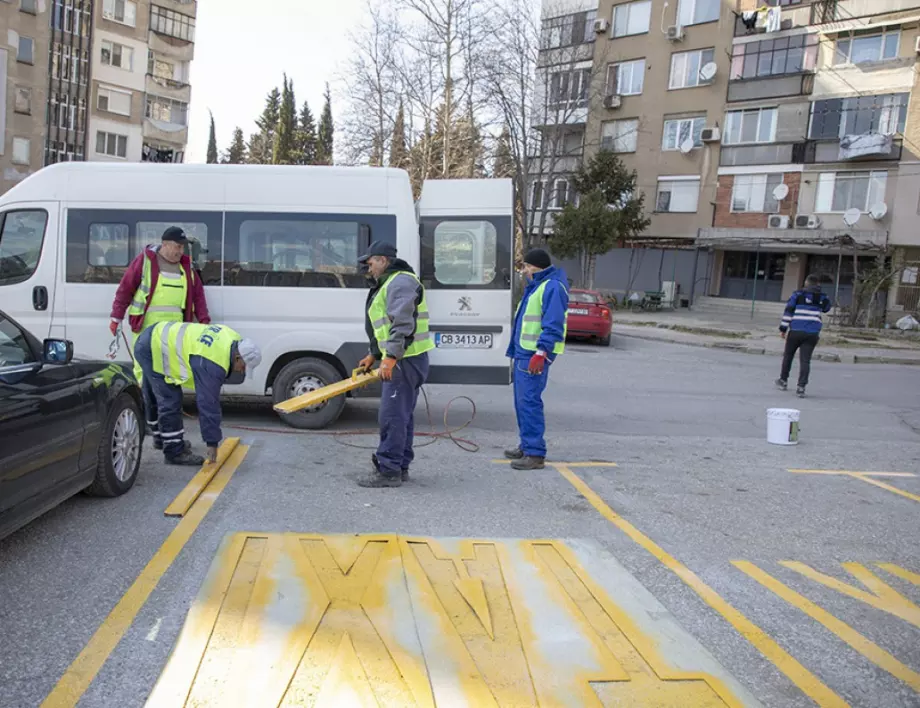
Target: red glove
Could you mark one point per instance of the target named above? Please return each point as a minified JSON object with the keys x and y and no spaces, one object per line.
{"x":537,"y":362}
{"x":386,"y":368}
{"x":113,"y":327}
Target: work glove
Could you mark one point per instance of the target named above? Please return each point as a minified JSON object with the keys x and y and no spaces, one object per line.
{"x":113,"y":327}
{"x":537,"y":363}
{"x":386,"y":368}
{"x":211,"y":457}
{"x":367,"y":363}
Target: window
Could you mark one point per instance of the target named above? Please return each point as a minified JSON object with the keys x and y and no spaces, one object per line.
{"x":21,"y":244}
{"x":111,"y":144}
{"x":569,"y":88}
{"x":685,"y":68}
{"x":754,"y":193}
{"x":774,"y":57}
{"x":536,"y":195}
{"x":862,"y":47}
{"x":837,"y":117}
{"x":161,"y":153}
{"x":22,"y":147}
{"x":14,"y":347}
{"x":22,"y":102}
{"x":67,"y":112}
{"x":620,"y":135}
{"x":118,"y":55}
{"x":757,"y":125}
{"x":465,"y":252}
{"x":64,"y":16}
{"x":109,"y":245}
{"x":27,"y":6}
{"x":69,"y":64}
{"x":626,"y":78}
{"x":839,"y":191}
{"x":563,"y":193}
{"x":679,"y":130}
{"x":694,"y":12}
{"x":678,"y":195}
{"x":114,"y":101}
{"x":172,"y":23}
{"x":60,"y":151}
{"x":632,"y":18}
{"x":123,"y":11}
{"x":568,"y":31}
{"x":26,"y":52}
{"x":167,"y":110}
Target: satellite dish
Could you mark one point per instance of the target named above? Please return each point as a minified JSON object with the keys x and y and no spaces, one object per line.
{"x":781,"y":192}
{"x":708,"y":72}
{"x":686,"y":146}
{"x":878,"y":211}
{"x":851,"y":216}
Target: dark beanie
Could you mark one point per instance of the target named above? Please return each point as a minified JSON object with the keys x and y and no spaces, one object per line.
{"x":538,"y":257}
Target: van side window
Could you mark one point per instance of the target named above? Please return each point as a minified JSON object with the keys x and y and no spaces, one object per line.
{"x":21,"y":237}
{"x":299,"y":250}
{"x":197,"y":233}
{"x":109,"y":245}
{"x":466,"y":253}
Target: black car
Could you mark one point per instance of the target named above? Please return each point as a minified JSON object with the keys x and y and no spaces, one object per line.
{"x":65,"y":426}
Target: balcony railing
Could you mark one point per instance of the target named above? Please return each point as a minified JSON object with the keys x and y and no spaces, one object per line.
{"x":819,"y":152}
{"x":763,"y":154}
{"x":167,"y":83}
{"x":826,"y":11}
{"x":793,"y":14}
{"x":779,"y":86}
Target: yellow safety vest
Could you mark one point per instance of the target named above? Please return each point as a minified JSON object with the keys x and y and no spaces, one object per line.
{"x":168,"y":301}
{"x":380,"y":320}
{"x":173,"y":343}
{"x":532,"y":323}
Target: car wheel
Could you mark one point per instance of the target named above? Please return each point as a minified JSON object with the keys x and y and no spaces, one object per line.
{"x":302,"y":376}
{"x":119,"y":454}
{"x":604,"y":341}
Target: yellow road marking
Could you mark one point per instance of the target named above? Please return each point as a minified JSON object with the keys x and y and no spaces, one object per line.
{"x":80,"y":674}
{"x":867,"y":478}
{"x":867,"y":648}
{"x":181,"y":504}
{"x":900,"y":572}
{"x":565,"y":464}
{"x":810,"y":684}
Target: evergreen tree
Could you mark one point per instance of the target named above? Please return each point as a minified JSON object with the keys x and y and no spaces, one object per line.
{"x":236,"y":153}
{"x":212,"y":143}
{"x":260,"y":150}
{"x":399,"y":151}
{"x":504,"y":166}
{"x":306,"y":137}
{"x":284,"y":144}
{"x":257,"y":152}
{"x":326,"y":139}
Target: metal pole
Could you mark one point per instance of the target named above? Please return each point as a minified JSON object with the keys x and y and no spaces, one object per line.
{"x":756,"y":271}
{"x":674,"y":302}
{"x":839,"y":266}
{"x":696,"y":263}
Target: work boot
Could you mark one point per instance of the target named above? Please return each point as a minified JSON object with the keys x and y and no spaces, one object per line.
{"x":528,"y":462}
{"x":158,"y":444}
{"x":186,"y":458}
{"x":800,"y":392}
{"x":405,"y":475}
{"x":781,"y":384}
{"x":515,"y":454}
{"x":377,"y":480}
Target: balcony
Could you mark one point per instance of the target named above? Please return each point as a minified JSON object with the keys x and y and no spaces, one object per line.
{"x":168,"y":88}
{"x":819,"y":152}
{"x":167,"y":46}
{"x":763,"y":154}
{"x":186,"y":7}
{"x":793,"y":15}
{"x":783,"y":86}
{"x":161,"y":132}
{"x":807,"y":240}
{"x":827,"y":11}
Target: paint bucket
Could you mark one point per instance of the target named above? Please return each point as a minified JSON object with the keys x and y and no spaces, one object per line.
{"x":783,"y":426}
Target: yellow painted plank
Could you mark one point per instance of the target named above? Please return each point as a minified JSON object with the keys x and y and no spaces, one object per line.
{"x":320,"y":395}
{"x":183,"y":502}
{"x":86,"y":666}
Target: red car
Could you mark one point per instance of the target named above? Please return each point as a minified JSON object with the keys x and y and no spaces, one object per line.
{"x":589,"y":316}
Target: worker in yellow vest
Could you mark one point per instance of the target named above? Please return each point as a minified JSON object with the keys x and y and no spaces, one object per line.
{"x":172,"y":354}
{"x":160,"y":285}
{"x":538,"y":337}
{"x":396,"y":322}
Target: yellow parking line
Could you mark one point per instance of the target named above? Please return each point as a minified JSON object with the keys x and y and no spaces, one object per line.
{"x":888,"y":487}
{"x":867,"y":478}
{"x":810,"y":684}
{"x":81,"y":673}
{"x":181,"y":504}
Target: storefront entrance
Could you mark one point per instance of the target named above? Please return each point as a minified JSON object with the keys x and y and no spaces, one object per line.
{"x":747,"y":275}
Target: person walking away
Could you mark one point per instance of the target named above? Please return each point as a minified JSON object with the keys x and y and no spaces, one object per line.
{"x":538,"y":337}
{"x":173,"y":354}
{"x":801,"y":328}
{"x":160,"y":285}
{"x":396,"y":322}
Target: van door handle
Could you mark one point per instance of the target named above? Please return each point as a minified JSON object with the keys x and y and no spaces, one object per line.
{"x":40,"y":298}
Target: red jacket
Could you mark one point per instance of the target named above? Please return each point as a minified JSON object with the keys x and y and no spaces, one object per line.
{"x":196,"y":306}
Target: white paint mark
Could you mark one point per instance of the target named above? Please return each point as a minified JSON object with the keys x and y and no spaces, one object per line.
{"x":155,"y":630}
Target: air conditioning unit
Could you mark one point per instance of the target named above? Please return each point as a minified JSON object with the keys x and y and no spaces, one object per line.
{"x":778,"y":221}
{"x":601,"y":25}
{"x":711,"y":135}
{"x":675,"y":33}
{"x":613,"y":101}
{"x":807,"y":221}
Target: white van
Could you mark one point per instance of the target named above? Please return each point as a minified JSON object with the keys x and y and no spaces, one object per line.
{"x":277,"y":249}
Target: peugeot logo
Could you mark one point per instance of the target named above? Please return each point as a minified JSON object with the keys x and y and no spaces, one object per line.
{"x":465,"y":304}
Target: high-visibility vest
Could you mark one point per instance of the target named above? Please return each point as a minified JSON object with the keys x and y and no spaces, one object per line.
{"x":173,"y":343}
{"x":532,"y":322}
{"x":380,"y":320}
{"x":167,"y":303}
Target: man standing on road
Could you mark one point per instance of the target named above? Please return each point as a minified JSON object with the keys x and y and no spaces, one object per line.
{"x":540,"y":326}
{"x":397,"y":326}
{"x":175,"y":353}
{"x":801,"y":328}
{"x":160,"y":285}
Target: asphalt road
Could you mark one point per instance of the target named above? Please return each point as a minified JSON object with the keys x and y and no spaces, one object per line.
{"x":695,"y":478}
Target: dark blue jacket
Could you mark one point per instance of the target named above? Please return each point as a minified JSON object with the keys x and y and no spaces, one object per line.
{"x":555,"y":306}
{"x":805,"y":310}
{"x":209,"y":378}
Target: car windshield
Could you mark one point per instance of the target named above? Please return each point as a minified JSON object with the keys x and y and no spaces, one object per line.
{"x":583,"y":298}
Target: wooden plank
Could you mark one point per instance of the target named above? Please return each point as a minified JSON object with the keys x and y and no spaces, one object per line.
{"x":321,"y":395}
{"x":188,"y":496}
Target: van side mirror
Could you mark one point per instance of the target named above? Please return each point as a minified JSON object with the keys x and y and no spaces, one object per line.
{"x":57,"y":351}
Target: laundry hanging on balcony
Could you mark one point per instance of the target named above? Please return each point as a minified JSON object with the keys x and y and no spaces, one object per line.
{"x":774,"y":21}
{"x":749,"y":20}
{"x":868,"y":144}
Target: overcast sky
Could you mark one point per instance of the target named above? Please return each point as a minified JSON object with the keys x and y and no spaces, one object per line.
{"x":242,"y":49}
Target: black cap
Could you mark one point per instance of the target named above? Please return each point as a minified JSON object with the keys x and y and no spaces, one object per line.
{"x":539,"y":258}
{"x":379,"y":248}
{"x":174,"y":233}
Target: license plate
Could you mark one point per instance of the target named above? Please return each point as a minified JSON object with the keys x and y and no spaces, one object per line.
{"x":578,"y":311}
{"x":462,"y":340}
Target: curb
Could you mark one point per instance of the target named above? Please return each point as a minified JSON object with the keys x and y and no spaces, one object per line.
{"x":885,"y":360}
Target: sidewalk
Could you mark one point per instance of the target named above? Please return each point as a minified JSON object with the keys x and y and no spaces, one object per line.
{"x":760,"y":335}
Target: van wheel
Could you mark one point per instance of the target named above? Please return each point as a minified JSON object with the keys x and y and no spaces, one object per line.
{"x":302,"y":376}
{"x":119,"y":453}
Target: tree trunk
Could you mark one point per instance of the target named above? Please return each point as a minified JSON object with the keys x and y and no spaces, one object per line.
{"x":592,"y":267}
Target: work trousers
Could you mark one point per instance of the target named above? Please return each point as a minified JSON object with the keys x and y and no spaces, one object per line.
{"x":805,"y":344}
{"x":162,"y":401}
{"x":528,"y":407}
{"x":397,"y":414}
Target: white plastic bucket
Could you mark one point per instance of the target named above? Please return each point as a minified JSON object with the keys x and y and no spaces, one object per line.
{"x":783,"y":426}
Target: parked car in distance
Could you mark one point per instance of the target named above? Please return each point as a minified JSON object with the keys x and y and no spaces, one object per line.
{"x":65,"y":426}
{"x":589,"y":316}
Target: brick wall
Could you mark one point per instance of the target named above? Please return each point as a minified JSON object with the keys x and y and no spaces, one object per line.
{"x":725,"y":218}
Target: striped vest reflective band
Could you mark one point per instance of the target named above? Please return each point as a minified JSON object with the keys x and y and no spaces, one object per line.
{"x":532,"y":323}
{"x":380,"y":320}
{"x":173,"y":343}
{"x":168,"y":301}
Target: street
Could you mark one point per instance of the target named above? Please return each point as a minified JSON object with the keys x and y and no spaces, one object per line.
{"x":787,"y":583}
